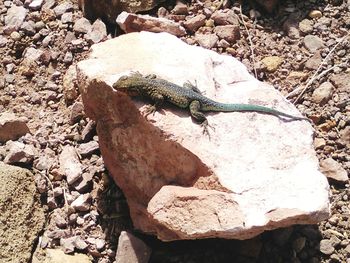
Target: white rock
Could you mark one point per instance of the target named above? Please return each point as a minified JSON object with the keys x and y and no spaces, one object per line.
{"x":255,"y":173}
{"x":70,"y":164}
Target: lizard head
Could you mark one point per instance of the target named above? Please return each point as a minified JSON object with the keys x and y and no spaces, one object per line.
{"x":128,"y":84}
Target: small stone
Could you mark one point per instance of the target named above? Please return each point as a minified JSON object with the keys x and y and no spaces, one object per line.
{"x":60,"y":221}
{"x":67,"y":18}
{"x":89,"y":131}
{"x":36,"y":4}
{"x":82,"y":203}
{"x":79,"y":243}
{"x":341,"y":81}
{"x":207,"y":40}
{"x":314,"y":62}
{"x":315,"y":14}
{"x":70,"y":164}
{"x":19,"y":153}
{"x":323,"y":93}
{"x":131,"y":249}
{"x":15,"y":36}
{"x":225,"y":17}
{"x":180,"y":8}
{"x":97,"y":33}
{"x":82,"y":25}
{"x":68,"y":58}
{"x":195,"y":22}
{"x":326,"y":247}
{"x":12,"y":127}
{"x":228,"y":32}
{"x":312,"y":43}
{"x":14,"y":18}
{"x":87,"y":149}
{"x":305,"y":26}
{"x":319,"y":143}
{"x":77,"y":112}
{"x":334,"y":170}
{"x":272,"y":63}
{"x":67,"y":244}
{"x":63,"y":8}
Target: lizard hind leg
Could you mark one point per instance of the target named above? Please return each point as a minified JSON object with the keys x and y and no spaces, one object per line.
{"x":195,"y":107}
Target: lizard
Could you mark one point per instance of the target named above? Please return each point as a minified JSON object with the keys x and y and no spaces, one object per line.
{"x":187,"y":96}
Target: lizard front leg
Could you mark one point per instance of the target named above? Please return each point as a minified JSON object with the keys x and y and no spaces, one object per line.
{"x":195,"y":107}
{"x":158,"y":100}
{"x":189,"y":85}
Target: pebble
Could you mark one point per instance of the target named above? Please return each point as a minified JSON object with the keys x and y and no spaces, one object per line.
{"x":306,"y":26}
{"x":334,"y":170}
{"x":323,"y":93}
{"x":82,"y":25}
{"x":206,"y":40}
{"x":230,"y":33}
{"x":82,"y":203}
{"x":63,"y":8}
{"x":272,"y":63}
{"x":313,"y":43}
{"x":315,"y":14}
{"x":195,"y":22}
{"x":326,"y":247}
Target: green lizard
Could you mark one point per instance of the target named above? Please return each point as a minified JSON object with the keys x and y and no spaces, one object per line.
{"x":188,"y":96}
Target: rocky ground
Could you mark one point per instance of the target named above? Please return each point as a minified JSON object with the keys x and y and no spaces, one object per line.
{"x":303,"y":46}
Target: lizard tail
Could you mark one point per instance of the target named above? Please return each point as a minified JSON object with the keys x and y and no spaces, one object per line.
{"x":255,"y":108}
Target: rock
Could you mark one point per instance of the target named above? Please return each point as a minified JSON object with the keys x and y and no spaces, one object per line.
{"x":314,"y":62}
{"x":333,"y":170}
{"x":291,"y":27}
{"x":326,"y":247}
{"x":323,"y":93}
{"x":131,"y":249}
{"x":195,"y":22}
{"x":63,"y":8}
{"x":89,"y":131}
{"x":229,"y":32}
{"x":70,"y":164}
{"x":70,"y":89}
{"x":135,"y":23}
{"x":36,"y":4}
{"x":315,"y":14}
{"x":22,"y":216}
{"x":84,"y":184}
{"x":225,"y":17}
{"x":14,"y":18}
{"x":82,"y":203}
{"x":146,"y":157}
{"x":19,"y":153}
{"x":313,"y":43}
{"x":345,"y":136}
{"x":97,"y":33}
{"x":341,"y":81}
{"x":207,"y":40}
{"x":109,"y":10}
{"x":58,"y":256}
{"x":272,"y":63}
{"x":319,"y":143}
{"x":12,"y":127}
{"x":86,"y":149}
{"x":67,"y":18}
{"x":77,"y":112}
{"x":305,"y":26}
{"x":82,"y":25}
{"x":180,"y":8}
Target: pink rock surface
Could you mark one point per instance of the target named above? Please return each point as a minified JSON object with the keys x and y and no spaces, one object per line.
{"x":255,"y":172}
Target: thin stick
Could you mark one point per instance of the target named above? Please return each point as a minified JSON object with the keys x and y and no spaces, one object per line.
{"x":314,"y":76}
{"x":251,"y":46}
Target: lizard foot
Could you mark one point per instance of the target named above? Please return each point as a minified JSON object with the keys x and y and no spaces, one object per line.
{"x":205,"y":126}
{"x":150,"y":109}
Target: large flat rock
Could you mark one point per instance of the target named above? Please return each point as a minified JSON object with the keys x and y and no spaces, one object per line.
{"x":255,"y":172}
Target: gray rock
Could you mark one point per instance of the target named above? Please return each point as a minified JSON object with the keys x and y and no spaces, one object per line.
{"x":334,"y":170}
{"x":207,"y":40}
{"x":67,"y":18}
{"x":63,"y":8}
{"x":313,"y":43}
{"x":87,"y":149}
{"x":131,"y":249}
{"x":82,"y":203}
{"x":326,"y":247}
{"x":28,"y":27}
{"x":97,"y":33}
{"x":70,"y":164}
{"x":82,"y":25}
{"x":14,"y":18}
{"x":36,"y":4}
{"x":19,"y":153}
{"x":323,"y":93}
